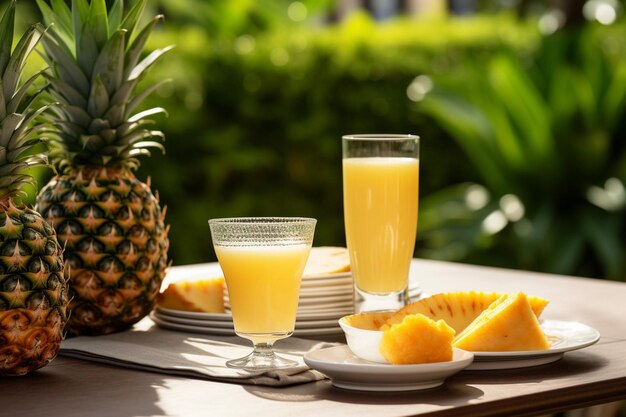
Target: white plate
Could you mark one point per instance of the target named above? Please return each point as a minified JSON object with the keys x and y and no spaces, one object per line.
{"x":564,"y":336}
{"x":320,"y":277}
{"x":221,"y":331}
{"x":194,"y":315}
{"x":218,"y":331}
{"x":326,"y":291}
{"x":315,"y":283}
{"x":349,"y":372}
{"x":226,"y":324}
{"x":329,"y":314}
{"x":300,"y":324}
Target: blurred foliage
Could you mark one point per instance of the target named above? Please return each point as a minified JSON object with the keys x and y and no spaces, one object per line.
{"x":546,"y":136}
{"x":255,"y":121}
{"x":262,"y":92}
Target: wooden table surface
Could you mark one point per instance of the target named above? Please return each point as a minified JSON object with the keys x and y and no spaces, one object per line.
{"x":597,"y":374}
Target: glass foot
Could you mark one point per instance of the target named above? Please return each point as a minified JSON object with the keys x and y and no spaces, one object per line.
{"x":262,"y":358}
{"x":364,"y":301}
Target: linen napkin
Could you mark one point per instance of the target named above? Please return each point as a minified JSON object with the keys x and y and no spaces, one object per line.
{"x":150,"y":348}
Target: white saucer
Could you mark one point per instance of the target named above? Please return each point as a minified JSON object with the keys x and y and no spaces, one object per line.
{"x":564,"y":336}
{"x":349,"y":372}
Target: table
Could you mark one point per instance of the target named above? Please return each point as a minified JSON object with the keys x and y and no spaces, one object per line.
{"x":597,"y":374}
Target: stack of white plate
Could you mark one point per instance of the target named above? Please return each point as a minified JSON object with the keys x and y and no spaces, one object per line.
{"x":324,"y":299}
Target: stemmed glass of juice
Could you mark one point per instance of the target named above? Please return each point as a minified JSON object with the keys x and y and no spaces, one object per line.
{"x":262,"y":259}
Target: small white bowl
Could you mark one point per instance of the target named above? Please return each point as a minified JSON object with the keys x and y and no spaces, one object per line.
{"x":363,"y":343}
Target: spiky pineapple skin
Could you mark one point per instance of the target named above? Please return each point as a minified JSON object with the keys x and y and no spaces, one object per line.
{"x":33,"y":291}
{"x":115,"y":245}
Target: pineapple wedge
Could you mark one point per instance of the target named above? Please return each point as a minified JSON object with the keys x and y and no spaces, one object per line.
{"x":458,"y":309}
{"x":417,"y":339}
{"x":327,"y":260}
{"x":509,"y":324}
{"x":203,"y":295}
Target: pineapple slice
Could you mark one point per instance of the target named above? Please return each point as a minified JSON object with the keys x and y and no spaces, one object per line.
{"x":458,"y":309}
{"x":417,"y":339}
{"x":369,"y":320}
{"x":203,"y":295}
{"x":509,"y":324}
{"x":327,"y":260}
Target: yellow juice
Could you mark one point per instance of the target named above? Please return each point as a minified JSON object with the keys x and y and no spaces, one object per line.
{"x":380,"y":197}
{"x":263,"y":284}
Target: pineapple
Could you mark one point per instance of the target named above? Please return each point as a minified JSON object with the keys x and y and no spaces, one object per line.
{"x":33,"y":288}
{"x":109,"y":222}
{"x":509,"y":324}
{"x":458,"y":309}
{"x":417,"y":339}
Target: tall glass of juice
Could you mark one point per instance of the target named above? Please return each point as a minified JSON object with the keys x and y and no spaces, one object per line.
{"x":380,"y":197}
{"x":262,"y":259}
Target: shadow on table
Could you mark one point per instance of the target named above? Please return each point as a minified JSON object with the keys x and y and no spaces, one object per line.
{"x":74,"y":391}
{"x":571,"y":364}
{"x":446,"y":395}
{"x":457,"y":391}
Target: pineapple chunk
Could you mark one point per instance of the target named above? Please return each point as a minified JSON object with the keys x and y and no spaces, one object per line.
{"x":458,"y":309}
{"x":509,"y":324}
{"x":203,"y":295}
{"x":417,"y":339}
{"x":327,"y":260}
{"x":368,"y":321}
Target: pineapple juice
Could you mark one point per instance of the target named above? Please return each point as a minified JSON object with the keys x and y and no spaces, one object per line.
{"x":263,"y":284}
{"x":380,"y":209}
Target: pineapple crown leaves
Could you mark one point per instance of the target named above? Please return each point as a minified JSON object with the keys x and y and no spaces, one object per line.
{"x":96,"y":59}
{"x":19,"y":135}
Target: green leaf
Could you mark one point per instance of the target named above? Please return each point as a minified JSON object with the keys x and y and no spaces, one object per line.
{"x":130,"y":21}
{"x":99,"y":21}
{"x":80,"y":17}
{"x":91,"y":142}
{"x":147,"y":62}
{"x":87,"y":52}
{"x":9,"y":124}
{"x":27,"y":122}
{"x":524,"y":105}
{"x":7,"y":27}
{"x":15,"y":65}
{"x":134,"y":52}
{"x":67,"y":92}
{"x":110,"y":63}
{"x":469,"y":127}
{"x":98,"y":101}
{"x":139,"y":98}
{"x":60,"y":17}
{"x":614,"y":102}
{"x":115,"y":16}
{"x":65,"y":66}
{"x":77,"y":115}
{"x":147,"y":113}
{"x":14,"y":103}
{"x":3,"y":106}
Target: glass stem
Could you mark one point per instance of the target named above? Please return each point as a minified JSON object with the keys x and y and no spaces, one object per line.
{"x":263,"y":349}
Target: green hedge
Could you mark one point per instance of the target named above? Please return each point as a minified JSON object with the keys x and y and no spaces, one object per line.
{"x":254,"y":124}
